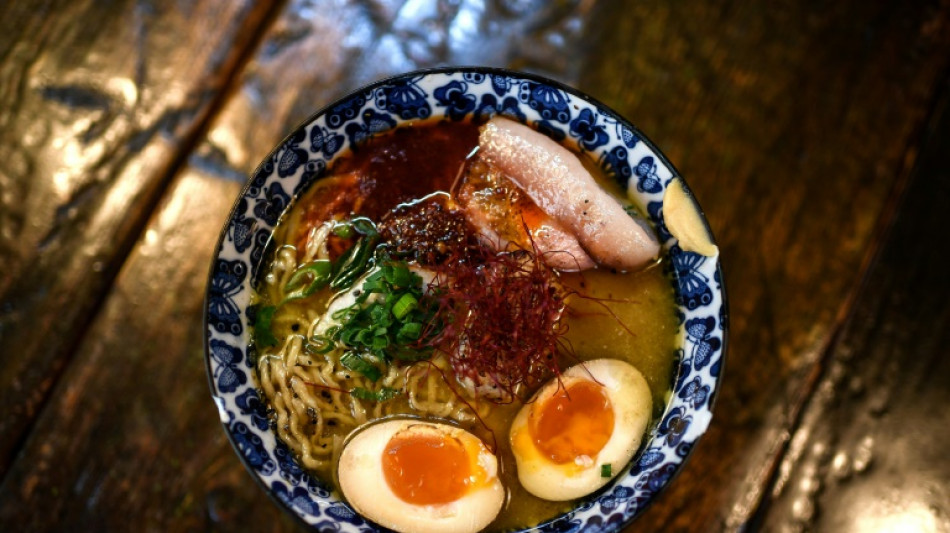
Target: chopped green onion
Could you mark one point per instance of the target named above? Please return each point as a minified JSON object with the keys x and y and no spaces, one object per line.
{"x":354,"y":362}
{"x":410,"y":332}
{"x":377,"y":278}
{"x":318,"y":345}
{"x":382,"y":395}
{"x":350,"y":336}
{"x":398,"y":275}
{"x":605,"y":470}
{"x":343,"y":259}
{"x":371,"y":286}
{"x":364,"y":226}
{"x":263,"y":335}
{"x":406,"y":303}
{"x":344,"y":231}
{"x":352,"y":264}
{"x":344,"y":315}
{"x":378,"y":343}
{"x":365,"y":336}
{"x":391,"y":325}
{"x":308,"y":279}
{"x":319,"y":269}
{"x":380,"y":315}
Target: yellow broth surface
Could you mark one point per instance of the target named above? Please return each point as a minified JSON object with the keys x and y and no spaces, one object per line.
{"x":630,"y":317}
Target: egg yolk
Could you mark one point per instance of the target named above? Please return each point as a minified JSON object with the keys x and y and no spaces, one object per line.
{"x":426,"y":468}
{"x":576,"y":421}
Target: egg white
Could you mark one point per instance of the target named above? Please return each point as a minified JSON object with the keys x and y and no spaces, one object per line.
{"x":632,"y":404}
{"x":364,"y":485}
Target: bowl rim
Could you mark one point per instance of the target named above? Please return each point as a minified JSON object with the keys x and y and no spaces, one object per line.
{"x":519,"y":75}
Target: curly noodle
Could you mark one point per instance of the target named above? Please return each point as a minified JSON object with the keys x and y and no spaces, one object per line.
{"x":312,"y":407}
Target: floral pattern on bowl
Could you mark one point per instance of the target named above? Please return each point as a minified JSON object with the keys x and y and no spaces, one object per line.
{"x":459,"y":94}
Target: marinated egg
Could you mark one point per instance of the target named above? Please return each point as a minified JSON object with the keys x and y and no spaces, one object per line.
{"x":576,"y":435}
{"x":414,"y":476}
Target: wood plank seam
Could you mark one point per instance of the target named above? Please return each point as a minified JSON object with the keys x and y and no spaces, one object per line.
{"x":908,"y":169}
{"x":257,"y":25}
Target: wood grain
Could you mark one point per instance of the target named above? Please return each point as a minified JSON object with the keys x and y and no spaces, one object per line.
{"x":794,"y":123}
{"x":131,"y":433}
{"x":98,"y":99}
{"x":96,"y":451}
{"x":791,"y":122}
{"x":870,"y":454}
{"x":311,"y":57}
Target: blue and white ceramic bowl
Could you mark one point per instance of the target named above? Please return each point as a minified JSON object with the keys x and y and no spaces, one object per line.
{"x":458,"y":94}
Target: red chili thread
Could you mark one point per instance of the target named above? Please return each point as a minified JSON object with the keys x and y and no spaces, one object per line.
{"x":501,"y":313}
{"x":325,"y":387}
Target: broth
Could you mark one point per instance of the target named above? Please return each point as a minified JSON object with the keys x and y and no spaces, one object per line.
{"x":413,"y":170}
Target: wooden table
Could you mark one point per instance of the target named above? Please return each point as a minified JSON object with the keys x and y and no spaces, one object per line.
{"x":814,"y":133}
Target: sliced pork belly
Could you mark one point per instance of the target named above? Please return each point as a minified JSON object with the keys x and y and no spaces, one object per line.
{"x":558,"y":183}
{"x":504,"y":214}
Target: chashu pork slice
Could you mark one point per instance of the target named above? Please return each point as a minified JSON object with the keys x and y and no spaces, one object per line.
{"x":559,"y":184}
{"x":504,"y":214}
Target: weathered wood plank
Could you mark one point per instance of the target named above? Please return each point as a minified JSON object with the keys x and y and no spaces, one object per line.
{"x":96,"y":102}
{"x":160,"y":455}
{"x":791,"y":121}
{"x":311,"y":57}
{"x":130,"y":440}
{"x":783,"y":118}
{"x":870,"y":454}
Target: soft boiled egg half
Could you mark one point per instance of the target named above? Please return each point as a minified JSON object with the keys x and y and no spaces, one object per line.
{"x":415,"y":476}
{"x":577,"y":434}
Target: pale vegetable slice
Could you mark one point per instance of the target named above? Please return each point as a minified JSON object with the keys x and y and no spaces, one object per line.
{"x":560,"y":185}
{"x":683,"y":220}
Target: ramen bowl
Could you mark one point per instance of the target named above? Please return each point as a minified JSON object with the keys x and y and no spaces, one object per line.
{"x":454,"y":94}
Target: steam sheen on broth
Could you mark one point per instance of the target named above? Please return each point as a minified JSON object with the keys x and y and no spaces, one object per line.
{"x":412,"y":214}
